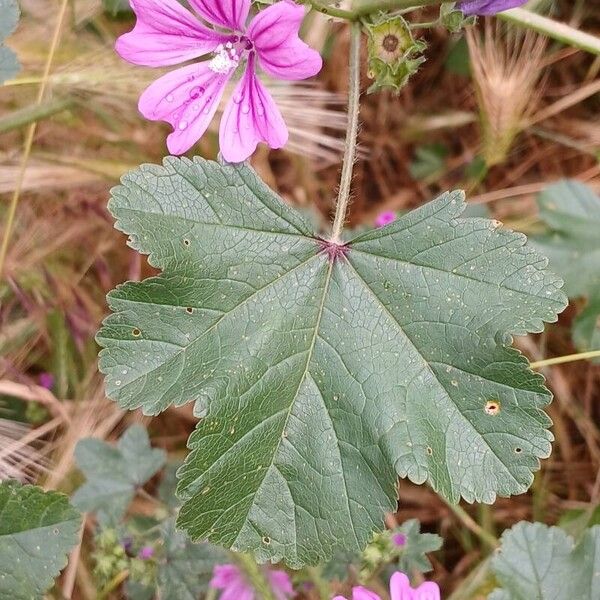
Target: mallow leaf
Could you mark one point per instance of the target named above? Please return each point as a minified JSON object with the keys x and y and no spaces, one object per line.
{"x":186,"y":568}
{"x":9,"y":17}
{"x":324,"y":371}
{"x":586,"y":327}
{"x":415,"y":547}
{"x":37,"y":531}
{"x":113,"y":473}
{"x":571,"y":210}
{"x":537,"y":562}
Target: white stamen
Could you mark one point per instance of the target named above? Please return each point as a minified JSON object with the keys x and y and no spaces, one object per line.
{"x":224,"y":60}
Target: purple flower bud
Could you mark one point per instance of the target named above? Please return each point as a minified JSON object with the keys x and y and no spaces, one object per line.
{"x":46,"y":380}
{"x":146,"y":552}
{"x":127,"y":544}
{"x":385,"y":218}
{"x":399,"y":539}
{"x":487,"y":7}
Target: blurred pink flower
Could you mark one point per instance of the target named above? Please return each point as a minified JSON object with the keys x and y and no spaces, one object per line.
{"x":166,"y":33}
{"x":231,"y":580}
{"x":400,"y":589}
{"x":385,"y":218}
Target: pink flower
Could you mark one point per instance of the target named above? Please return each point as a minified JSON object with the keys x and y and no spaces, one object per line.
{"x":385,"y":218}
{"x":231,"y":580}
{"x":400,"y":589}
{"x":166,"y":33}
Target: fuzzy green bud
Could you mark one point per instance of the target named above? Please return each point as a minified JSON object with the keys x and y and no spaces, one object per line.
{"x":394,"y":55}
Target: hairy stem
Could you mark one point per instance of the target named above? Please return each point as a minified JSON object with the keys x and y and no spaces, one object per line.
{"x":552,"y":29}
{"x":12,"y":209}
{"x":351,"y":134}
{"x":368,"y":7}
{"x":254,"y":575}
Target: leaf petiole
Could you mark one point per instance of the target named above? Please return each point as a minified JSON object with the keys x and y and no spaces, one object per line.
{"x":351,"y":135}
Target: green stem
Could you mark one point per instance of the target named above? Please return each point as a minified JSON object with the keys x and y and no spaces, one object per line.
{"x":33,"y":113}
{"x":255,"y":575}
{"x":565,"y":359}
{"x":473,"y":526}
{"x":320,"y":584}
{"x":553,"y":29}
{"x":368,"y":8}
{"x":113,"y":584}
{"x":351,"y":135}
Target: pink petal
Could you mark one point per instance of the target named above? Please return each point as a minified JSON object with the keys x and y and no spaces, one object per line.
{"x":187,"y":98}
{"x":281,"y":584}
{"x":400,"y":587}
{"x":224,"y":576}
{"x":282,"y":54}
{"x":362,"y":593}
{"x":427,"y":591}
{"x":231,"y":14}
{"x":250,"y":117}
{"x":339,"y":598}
{"x":165,"y":33}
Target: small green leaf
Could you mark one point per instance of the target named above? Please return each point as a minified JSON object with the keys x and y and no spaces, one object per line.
{"x":322,"y":372}
{"x":537,"y":562}
{"x":416,"y":547}
{"x":116,"y":7}
{"x":37,"y":531}
{"x":186,"y":568}
{"x":572,"y":212}
{"x":114,"y":473}
{"x":428,"y":161}
{"x":586,"y":327}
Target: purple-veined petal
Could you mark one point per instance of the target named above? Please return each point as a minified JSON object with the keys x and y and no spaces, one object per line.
{"x":282,"y":54}
{"x":427,"y":591}
{"x":251,"y":116}
{"x":400,"y":587}
{"x":166,"y":33}
{"x":187,"y":98}
{"x":231,"y":14}
{"x":487,"y":7}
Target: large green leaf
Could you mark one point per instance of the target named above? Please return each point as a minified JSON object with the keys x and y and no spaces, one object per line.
{"x":323,"y":371}
{"x":9,"y":17}
{"x":537,"y":562}
{"x":572,"y":212}
{"x":114,"y":473}
{"x":37,"y":531}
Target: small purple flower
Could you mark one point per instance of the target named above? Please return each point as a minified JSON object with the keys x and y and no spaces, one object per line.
{"x":166,"y":33}
{"x":385,"y":218}
{"x":231,"y":580}
{"x":400,"y":589}
{"x":46,"y":380}
{"x":127,"y":544}
{"x":487,"y":7}
{"x":146,"y":552}
{"x":399,"y":539}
